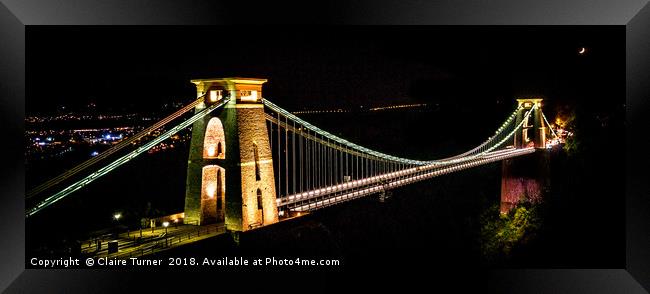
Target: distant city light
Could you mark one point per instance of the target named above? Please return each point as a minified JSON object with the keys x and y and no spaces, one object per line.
{"x":398,"y":106}
{"x":49,"y":143}
{"x":94,"y":153}
{"x":381,"y":108}
{"x":165,"y":224}
{"x":117,"y":216}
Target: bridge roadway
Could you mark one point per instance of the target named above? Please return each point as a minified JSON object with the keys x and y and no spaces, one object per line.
{"x":338,"y":193}
{"x":130,"y":244}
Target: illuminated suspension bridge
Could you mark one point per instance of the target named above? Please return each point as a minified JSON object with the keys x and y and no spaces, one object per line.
{"x":318,"y":169}
{"x":252,"y":163}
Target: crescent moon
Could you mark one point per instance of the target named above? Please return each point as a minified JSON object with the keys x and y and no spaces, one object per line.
{"x":582,"y":50}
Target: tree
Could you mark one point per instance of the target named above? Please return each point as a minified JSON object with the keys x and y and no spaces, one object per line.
{"x":501,"y":233}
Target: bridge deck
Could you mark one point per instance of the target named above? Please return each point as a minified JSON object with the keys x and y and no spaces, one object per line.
{"x":318,"y":198}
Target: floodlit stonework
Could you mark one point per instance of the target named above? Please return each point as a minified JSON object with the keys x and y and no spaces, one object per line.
{"x":214,"y":145}
{"x":233,"y":141}
{"x":526,"y":178}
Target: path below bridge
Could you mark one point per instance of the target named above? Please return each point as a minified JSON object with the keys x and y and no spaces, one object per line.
{"x":148,"y":241}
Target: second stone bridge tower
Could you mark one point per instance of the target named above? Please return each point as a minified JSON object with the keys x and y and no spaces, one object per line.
{"x":526,"y":178}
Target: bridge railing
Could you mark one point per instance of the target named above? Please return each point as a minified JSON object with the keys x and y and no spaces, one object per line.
{"x":166,"y":242}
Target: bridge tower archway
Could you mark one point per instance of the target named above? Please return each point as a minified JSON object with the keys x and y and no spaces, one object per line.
{"x":220,"y":156}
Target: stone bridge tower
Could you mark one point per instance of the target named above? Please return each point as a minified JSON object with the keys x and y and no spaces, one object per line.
{"x":230,"y":167}
{"x":533,"y":131}
{"x":526,"y":177}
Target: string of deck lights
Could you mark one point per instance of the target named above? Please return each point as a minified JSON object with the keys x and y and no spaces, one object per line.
{"x":123,"y":143}
{"x":377,"y":154}
{"x":376,"y":179}
{"x":122,"y":160}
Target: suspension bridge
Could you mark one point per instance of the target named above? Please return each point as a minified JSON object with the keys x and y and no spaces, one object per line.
{"x":251,"y":163}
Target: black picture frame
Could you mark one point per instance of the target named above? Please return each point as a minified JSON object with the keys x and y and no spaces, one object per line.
{"x":15,"y":15}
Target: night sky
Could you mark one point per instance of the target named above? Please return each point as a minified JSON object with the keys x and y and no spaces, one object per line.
{"x":126,"y":68}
